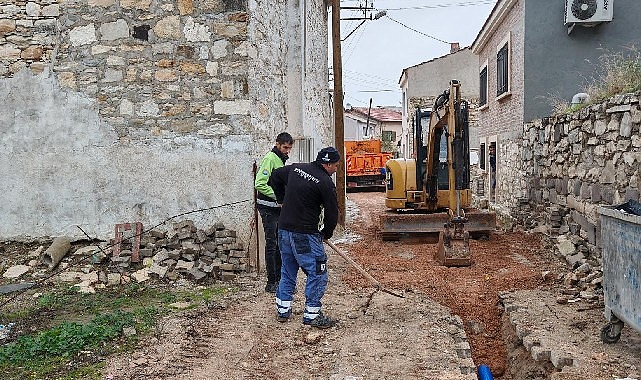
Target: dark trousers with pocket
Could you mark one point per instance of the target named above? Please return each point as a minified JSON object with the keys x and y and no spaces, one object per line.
{"x":269,"y":216}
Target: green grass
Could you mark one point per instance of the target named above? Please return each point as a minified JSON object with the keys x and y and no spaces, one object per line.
{"x":615,"y":73}
{"x":620,"y":73}
{"x":77,"y":330}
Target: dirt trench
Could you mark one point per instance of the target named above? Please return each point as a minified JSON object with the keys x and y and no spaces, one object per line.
{"x":504,"y":262}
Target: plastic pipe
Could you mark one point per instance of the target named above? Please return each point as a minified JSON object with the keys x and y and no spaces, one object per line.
{"x":484,"y":373}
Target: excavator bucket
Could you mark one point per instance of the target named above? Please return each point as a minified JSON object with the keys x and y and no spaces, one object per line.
{"x":453,"y":251}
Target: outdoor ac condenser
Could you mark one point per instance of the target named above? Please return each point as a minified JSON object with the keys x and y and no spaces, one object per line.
{"x":588,"y":11}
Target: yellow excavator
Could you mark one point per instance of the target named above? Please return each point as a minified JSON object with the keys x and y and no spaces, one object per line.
{"x":430,"y":193}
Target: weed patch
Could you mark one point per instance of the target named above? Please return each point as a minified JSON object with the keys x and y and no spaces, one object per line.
{"x":76,"y":331}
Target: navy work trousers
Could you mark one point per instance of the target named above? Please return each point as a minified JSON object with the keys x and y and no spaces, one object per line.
{"x":304,"y":251}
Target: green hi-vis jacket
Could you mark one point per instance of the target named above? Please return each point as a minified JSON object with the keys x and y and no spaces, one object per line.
{"x":272,"y":160}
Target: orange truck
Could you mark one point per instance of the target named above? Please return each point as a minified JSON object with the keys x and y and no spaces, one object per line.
{"x":365,"y":164}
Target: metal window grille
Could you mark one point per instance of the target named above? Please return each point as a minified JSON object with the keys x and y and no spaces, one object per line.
{"x":389,"y":136}
{"x":305,"y":149}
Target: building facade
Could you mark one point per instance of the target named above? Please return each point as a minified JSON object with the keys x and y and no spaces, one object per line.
{"x":138,"y":110}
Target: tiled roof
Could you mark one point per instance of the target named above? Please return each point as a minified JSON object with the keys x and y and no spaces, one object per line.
{"x":378,"y":114}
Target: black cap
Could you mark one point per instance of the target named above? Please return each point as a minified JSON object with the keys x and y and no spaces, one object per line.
{"x":328,"y":155}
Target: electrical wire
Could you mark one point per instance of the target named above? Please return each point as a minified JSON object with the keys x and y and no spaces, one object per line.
{"x":418,"y":31}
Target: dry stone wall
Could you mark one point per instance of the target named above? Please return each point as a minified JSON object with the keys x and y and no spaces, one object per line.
{"x":563,"y":168}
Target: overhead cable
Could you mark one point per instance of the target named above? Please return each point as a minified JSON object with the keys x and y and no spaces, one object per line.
{"x":417,"y":31}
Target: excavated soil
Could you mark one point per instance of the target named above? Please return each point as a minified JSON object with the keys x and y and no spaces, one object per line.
{"x":505,"y":261}
{"x":422,"y":336}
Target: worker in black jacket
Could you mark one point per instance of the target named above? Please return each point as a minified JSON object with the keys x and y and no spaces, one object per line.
{"x":306,"y":191}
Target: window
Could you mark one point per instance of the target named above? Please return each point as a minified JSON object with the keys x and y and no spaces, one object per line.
{"x":503,"y":67}
{"x":305,"y":149}
{"x":483,"y":87}
{"x":389,"y":136}
{"x":482,"y":157}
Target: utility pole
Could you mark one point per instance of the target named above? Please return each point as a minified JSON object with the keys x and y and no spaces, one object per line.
{"x":339,"y":126}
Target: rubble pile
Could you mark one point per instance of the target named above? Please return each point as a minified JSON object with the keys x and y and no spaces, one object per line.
{"x":183,"y":252}
{"x":186,"y":251}
{"x":585,"y":280}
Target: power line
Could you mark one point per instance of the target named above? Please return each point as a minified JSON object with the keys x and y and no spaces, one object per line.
{"x":417,"y":31}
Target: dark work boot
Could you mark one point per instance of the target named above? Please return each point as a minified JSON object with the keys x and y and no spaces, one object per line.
{"x":321,"y":322}
{"x":271,"y":288}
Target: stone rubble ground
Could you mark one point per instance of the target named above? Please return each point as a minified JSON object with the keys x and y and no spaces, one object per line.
{"x":184,"y":251}
{"x":565,"y":337}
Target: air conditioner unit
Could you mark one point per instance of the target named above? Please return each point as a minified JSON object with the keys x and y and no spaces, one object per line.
{"x":588,"y":11}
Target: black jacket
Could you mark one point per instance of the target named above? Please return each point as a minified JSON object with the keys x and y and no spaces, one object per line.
{"x":303,"y":189}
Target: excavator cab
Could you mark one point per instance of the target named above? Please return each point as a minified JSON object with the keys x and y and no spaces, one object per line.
{"x":430,"y":194}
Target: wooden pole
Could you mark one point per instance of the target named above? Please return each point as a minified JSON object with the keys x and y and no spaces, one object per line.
{"x":339,"y":127}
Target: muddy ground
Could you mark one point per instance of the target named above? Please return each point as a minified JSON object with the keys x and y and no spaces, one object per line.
{"x":449,"y":321}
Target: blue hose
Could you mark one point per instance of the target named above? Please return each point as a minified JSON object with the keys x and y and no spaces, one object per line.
{"x":484,"y":373}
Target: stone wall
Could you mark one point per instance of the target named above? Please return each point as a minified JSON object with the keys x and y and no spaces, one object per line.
{"x":561,"y":169}
{"x":138,"y":110}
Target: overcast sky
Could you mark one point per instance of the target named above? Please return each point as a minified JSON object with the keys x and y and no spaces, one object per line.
{"x":412,"y":31}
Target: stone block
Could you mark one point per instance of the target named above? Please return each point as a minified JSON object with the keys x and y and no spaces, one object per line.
{"x":558,"y":132}
{"x":7,"y":26}
{"x":196,"y":274}
{"x":83,"y":35}
{"x":575,"y":204}
{"x":560,"y":360}
{"x":586,"y":226}
{"x":631,"y":194}
{"x":463,"y":350}
{"x":530,"y":341}
{"x":576,"y":188}
{"x":607,"y":194}
{"x":567,"y":249}
{"x":185,"y":7}
{"x":159,"y":270}
{"x":16,"y":271}
{"x":169,"y":28}
{"x":585,"y":191}
{"x":595,"y":190}
{"x":227,"y":267}
{"x":540,"y":354}
{"x":228,"y":276}
{"x":111,"y":31}
{"x":184,"y":265}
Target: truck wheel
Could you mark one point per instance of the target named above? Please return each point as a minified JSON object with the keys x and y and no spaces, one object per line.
{"x":610,"y":333}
